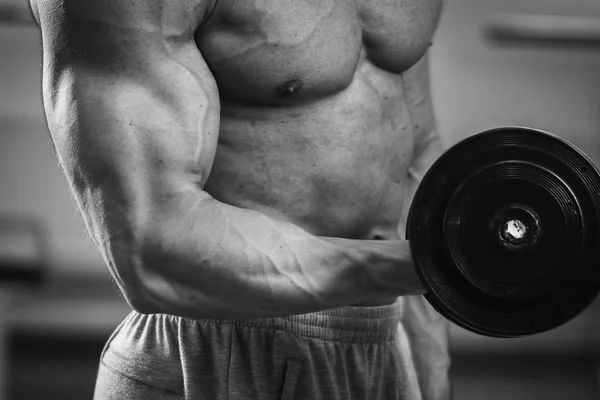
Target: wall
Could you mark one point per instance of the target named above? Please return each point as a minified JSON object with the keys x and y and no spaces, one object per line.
{"x":477,"y":86}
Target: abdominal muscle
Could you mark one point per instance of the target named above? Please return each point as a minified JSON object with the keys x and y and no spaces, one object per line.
{"x":336,"y":167}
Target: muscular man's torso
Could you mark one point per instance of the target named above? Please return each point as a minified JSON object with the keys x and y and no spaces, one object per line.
{"x":316,"y":125}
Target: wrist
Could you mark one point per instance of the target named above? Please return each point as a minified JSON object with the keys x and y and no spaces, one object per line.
{"x":387,"y":267}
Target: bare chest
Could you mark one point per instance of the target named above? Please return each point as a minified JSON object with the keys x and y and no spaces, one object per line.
{"x":280,"y":52}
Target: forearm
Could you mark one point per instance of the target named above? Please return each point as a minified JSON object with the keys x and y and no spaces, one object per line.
{"x":212,"y":260}
{"x":428,"y":333}
{"x":427,"y":330}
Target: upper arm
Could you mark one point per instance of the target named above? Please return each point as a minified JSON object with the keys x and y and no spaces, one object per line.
{"x":127,"y":74}
{"x":132,"y":108}
{"x":126,"y":90}
{"x":428,"y":144}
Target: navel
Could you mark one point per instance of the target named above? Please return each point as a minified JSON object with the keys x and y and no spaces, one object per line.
{"x":290,"y":88}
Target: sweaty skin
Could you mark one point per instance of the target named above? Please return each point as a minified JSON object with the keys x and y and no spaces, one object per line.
{"x":240,"y":159}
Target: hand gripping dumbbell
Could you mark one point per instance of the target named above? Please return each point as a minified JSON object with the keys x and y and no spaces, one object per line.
{"x":505,"y":232}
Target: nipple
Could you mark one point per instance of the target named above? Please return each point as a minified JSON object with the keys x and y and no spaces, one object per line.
{"x":290,"y":88}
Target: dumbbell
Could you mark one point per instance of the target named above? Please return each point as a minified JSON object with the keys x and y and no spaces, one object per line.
{"x":504,"y":231}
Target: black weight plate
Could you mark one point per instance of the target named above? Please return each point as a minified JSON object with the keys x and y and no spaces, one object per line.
{"x":505,"y":232}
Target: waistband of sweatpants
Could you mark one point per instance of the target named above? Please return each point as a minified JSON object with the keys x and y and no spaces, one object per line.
{"x":345,"y":324}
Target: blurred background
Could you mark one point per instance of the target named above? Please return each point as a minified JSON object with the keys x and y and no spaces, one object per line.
{"x":532,"y":63}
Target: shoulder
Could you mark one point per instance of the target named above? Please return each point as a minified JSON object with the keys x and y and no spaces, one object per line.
{"x":115,"y":36}
{"x":170,"y":17}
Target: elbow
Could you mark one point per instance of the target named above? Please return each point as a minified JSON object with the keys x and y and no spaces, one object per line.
{"x":141,"y":305}
{"x":151,"y":288}
{"x":141,"y":279}
{"x":146,"y":294}
{"x":159,"y":268}
{"x":140,"y":297}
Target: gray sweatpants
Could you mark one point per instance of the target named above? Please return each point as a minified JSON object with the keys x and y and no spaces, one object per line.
{"x":343,"y":353}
